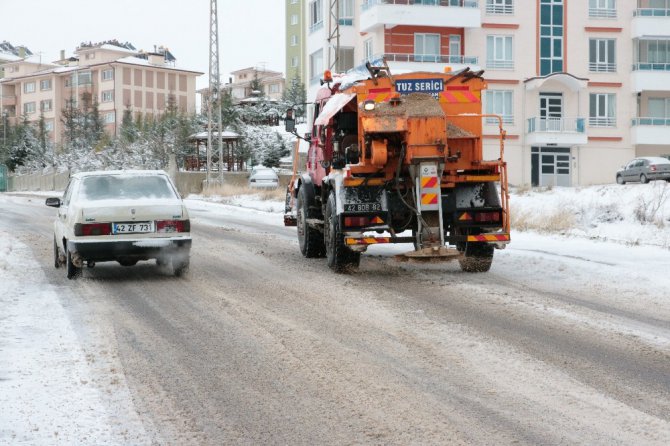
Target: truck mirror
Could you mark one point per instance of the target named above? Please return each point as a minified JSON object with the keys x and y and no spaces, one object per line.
{"x":289,"y":121}
{"x":308,"y":136}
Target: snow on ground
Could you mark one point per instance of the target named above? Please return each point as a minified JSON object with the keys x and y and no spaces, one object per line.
{"x":48,"y":393}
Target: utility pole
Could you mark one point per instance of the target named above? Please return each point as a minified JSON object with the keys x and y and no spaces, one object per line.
{"x":333,"y":34}
{"x":214,"y":109}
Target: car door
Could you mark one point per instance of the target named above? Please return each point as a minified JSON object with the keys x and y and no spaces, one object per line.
{"x":629,"y":172}
{"x":63,"y":212}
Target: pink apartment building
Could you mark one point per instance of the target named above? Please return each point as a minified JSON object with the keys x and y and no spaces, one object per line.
{"x":119,"y":78}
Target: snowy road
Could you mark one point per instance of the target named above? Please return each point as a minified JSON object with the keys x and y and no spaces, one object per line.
{"x":563,"y":342}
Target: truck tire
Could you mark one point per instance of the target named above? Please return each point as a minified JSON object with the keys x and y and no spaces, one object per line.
{"x":477,"y":258}
{"x":309,"y":239}
{"x":72,"y":271}
{"x":340,"y":258}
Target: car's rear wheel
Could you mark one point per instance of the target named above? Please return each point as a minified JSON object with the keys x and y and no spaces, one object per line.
{"x":643,"y":179}
{"x":73,"y":271}
{"x":619,"y":179}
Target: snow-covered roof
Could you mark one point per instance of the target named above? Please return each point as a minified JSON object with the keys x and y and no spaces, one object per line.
{"x":118,"y":172}
{"x":225,"y":135}
{"x":132,"y":60}
{"x":9,"y":57}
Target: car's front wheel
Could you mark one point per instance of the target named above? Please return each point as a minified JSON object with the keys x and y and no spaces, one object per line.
{"x":619,"y":179}
{"x":73,"y":271}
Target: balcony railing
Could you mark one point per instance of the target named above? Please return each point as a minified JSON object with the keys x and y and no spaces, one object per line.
{"x":602,"y":121}
{"x":651,"y":66}
{"x":492,"y":8}
{"x":651,"y":121}
{"x":602,"y":67}
{"x":457,"y":3}
{"x":427,"y":58}
{"x":602,"y":13}
{"x":651,"y":12}
{"x":556,"y":125}
{"x":500,"y":64}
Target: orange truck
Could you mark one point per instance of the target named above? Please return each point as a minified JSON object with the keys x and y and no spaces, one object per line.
{"x":398,"y":159}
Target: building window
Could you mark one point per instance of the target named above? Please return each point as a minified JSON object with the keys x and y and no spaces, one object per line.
{"x":294,"y":61}
{"x":107,"y":75}
{"x":426,"y":47}
{"x":273,"y":88}
{"x":49,"y":126}
{"x":45,"y":84}
{"x":90,"y":55}
{"x":85,"y":78}
{"x":294,"y":19}
{"x":499,"y":102}
{"x":293,"y":2}
{"x":652,"y":55}
{"x":315,"y":66}
{"x":110,"y":118}
{"x":659,"y":108}
{"x":602,"y":110}
{"x":500,"y":6}
{"x":602,"y":9}
{"x":551,"y":36}
{"x":45,"y":105}
{"x":499,"y":52}
{"x":602,"y":55}
{"x":315,"y":15}
{"x":294,"y":40}
{"x":368,"y":50}
{"x":29,"y":107}
{"x":455,"y":49}
{"x":107,"y":96}
{"x":346,"y":12}
{"x":345,"y":60}
{"x":29,"y":87}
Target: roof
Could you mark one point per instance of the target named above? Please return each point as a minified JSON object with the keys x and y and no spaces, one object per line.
{"x":131,"y":60}
{"x":256,"y":70}
{"x":118,"y":172}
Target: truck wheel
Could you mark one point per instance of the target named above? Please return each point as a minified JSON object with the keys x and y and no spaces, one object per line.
{"x":340,"y":258}
{"x":477,"y":258}
{"x":72,"y":271}
{"x":309,"y":239}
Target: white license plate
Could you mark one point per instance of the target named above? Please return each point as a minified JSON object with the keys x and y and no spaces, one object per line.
{"x":133,"y":228}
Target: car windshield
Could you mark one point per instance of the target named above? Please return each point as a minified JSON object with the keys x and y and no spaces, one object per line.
{"x":114,"y":187}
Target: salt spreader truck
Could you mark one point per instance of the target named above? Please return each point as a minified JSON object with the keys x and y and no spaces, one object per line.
{"x":389,"y":154}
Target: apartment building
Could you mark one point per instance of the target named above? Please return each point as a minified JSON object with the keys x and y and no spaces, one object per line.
{"x":582,"y":85}
{"x":117,"y":76}
{"x":295,"y":40}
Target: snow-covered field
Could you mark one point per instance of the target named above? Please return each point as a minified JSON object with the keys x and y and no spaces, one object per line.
{"x":617,"y":234}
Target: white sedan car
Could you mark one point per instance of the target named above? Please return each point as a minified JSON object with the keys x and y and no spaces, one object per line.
{"x":122,"y":216}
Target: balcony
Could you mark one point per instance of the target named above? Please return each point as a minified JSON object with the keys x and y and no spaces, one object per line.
{"x":649,"y":76}
{"x":439,"y":13}
{"x":655,"y":131}
{"x":649,"y":22}
{"x":428,"y":62}
{"x":556,"y":131}
{"x":7,"y":100}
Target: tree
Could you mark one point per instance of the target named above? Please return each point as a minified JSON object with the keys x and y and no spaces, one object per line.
{"x":294,"y":96}
{"x":256,"y":86}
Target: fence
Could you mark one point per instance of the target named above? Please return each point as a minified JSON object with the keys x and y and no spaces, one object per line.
{"x":3,"y":178}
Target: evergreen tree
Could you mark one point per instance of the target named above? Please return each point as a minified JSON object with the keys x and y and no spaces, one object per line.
{"x":294,"y":96}
{"x":255,"y":86}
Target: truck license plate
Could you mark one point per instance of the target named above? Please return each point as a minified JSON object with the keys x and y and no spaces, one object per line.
{"x":362,"y":207}
{"x":133,"y":228}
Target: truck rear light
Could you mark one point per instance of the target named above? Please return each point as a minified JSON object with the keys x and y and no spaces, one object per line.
{"x":356,"y":221}
{"x":85,"y":229}
{"x":487,"y":217}
{"x":173,"y":226}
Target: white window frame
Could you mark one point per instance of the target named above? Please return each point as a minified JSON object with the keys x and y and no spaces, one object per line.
{"x":109,"y":118}
{"x":315,"y":15}
{"x":421,"y":53}
{"x":48,"y":83}
{"x":345,"y":52}
{"x":499,"y":102}
{"x":499,"y":7}
{"x":315,"y":66}
{"x":294,"y":19}
{"x":497,"y":45}
{"x":602,"y":9}
{"x":294,"y":62}
{"x":273,"y":88}
{"x":368,"y":49}
{"x":599,"y":61}
{"x":107,"y":96}
{"x":107,"y":75}
{"x":29,"y":87}
{"x":46,"y":105}
{"x":604,"y":114}
{"x":48,"y":125}
{"x":294,"y":40}
{"x":666,"y":108}
{"x":29,"y":108}
{"x":346,"y":12}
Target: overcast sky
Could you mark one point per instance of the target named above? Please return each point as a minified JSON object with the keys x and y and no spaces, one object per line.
{"x":251,"y":32}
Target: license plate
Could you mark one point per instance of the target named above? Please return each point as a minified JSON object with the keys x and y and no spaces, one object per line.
{"x":133,"y":228}
{"x":362,"y":207}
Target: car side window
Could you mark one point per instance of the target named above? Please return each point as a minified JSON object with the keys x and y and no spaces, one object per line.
{"x":68,"y":192}
{"x":631,"y":164}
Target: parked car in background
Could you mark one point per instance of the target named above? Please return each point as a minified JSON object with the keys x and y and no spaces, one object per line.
{"x":123,"y":216}
{"x":263,"y":178}
{"x":645,"y":169}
